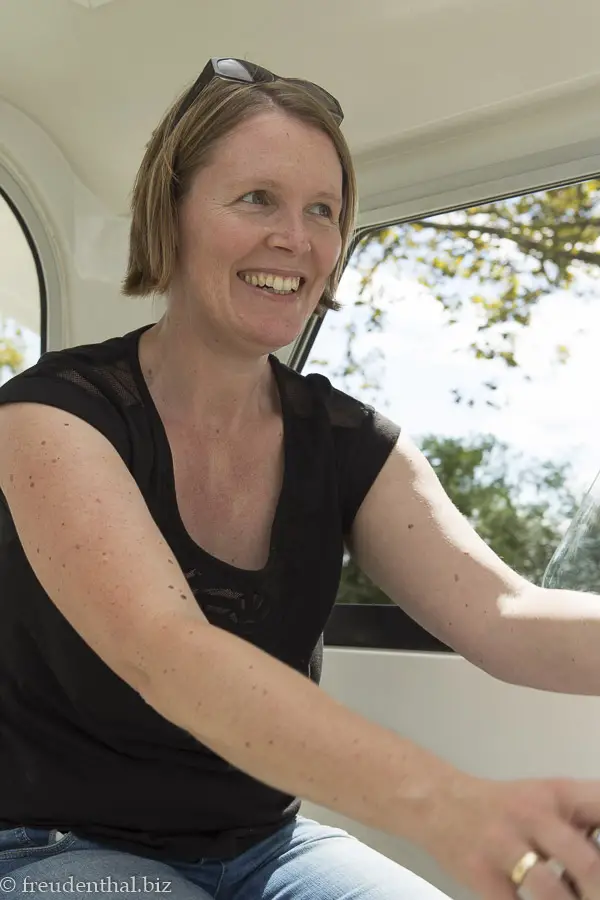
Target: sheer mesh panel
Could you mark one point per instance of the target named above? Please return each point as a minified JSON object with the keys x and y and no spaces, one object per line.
{"x":118,"y":377}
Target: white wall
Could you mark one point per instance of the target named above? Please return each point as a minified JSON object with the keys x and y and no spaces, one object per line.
{"x":83,"y":247}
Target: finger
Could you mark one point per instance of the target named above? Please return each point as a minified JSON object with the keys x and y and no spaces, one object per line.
{"x":491,"y":875}
{"x":579,"y":801}
{"x":543,"y":882}
{"x":571,"y":849}
{"x":561,"y":873}
{"x":495,"y":885}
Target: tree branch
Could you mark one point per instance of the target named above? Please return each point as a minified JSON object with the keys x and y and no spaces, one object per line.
{"x":585,"y":256}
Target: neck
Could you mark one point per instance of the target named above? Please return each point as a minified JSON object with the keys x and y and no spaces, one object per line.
{"x":194,"y":383}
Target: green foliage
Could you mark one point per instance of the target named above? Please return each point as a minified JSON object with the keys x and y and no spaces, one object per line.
{"x":11,"y":357}
{"x":517,"y":508}
{"x":498,"y":259}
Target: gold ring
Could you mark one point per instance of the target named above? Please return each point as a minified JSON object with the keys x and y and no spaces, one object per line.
{"x":527,"y":862}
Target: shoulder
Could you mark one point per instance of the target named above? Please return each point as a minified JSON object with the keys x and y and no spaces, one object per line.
{"x":361,"y":436}
{"x":313,"y":393}
{"x":95,"y":382}
{"x":87,"y":365}
{"x":308,"y":394}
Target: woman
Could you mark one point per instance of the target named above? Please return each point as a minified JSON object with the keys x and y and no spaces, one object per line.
{"x":175,"y":506}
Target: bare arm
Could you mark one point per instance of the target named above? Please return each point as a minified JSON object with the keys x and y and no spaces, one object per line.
{"x":413,"y":542}
{"x":96,"y":550}
{"x":548,"y":639}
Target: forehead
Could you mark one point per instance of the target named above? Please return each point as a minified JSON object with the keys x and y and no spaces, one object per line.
{"x":274,"y":145}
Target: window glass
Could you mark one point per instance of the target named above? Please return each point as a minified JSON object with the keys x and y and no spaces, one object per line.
{"x":20,"y":299}
{"x":477,"y":331}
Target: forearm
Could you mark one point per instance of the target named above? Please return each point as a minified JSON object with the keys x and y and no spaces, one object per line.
{"x":548,"y":639}
{"x":276,"y":725}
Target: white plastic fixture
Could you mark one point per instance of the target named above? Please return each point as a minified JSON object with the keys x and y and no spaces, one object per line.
{"x":92,"y":4}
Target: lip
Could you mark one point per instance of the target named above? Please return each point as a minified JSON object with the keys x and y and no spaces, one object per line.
{"x":285,"y":298}
{"x":282,"y":272}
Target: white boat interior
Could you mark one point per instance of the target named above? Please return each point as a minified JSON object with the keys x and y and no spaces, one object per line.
{"x":448,"y":104}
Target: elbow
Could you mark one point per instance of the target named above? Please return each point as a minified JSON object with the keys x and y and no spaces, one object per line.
{"x":163,"y":669}
{"x":487,"y":656}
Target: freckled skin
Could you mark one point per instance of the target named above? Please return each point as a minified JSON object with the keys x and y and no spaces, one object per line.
{"x":223,"y":234}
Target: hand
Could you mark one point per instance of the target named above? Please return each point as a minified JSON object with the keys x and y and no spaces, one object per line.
{"x":479,"y":829}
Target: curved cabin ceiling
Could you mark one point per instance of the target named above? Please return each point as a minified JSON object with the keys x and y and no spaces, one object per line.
{"x":97,"y":74}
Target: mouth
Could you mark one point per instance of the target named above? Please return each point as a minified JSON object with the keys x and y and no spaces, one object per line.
{"x":275,"y":285}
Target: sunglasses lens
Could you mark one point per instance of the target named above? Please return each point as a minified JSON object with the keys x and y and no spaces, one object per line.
{"x":240,"y":70}
{"x":236,"y":69}
{"x":324,"y":97}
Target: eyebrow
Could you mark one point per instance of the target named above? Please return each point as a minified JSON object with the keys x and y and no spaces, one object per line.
{"x":274,"y":185}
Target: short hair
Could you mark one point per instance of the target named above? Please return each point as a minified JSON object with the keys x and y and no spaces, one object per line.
{"x":178,"y":149}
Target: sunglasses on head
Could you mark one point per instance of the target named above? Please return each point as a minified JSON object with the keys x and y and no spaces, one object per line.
{"x":249,"y":73}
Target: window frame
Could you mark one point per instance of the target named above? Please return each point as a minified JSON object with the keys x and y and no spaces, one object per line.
{"x":43,"y":258}
{"x":379,"y":626}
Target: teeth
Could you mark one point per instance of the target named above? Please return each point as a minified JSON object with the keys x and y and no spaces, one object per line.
{"x":278,"y":284}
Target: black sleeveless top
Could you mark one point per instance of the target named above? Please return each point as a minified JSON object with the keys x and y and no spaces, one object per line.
{"x":79,"y":749}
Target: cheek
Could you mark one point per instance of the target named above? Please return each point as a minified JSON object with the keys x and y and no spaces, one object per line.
{"x":209,"y":235}
{"x":226,"y":242}
{"x":331,"y":253}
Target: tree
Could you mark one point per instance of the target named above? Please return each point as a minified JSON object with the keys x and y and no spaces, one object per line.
{"x":500,"y":259}
{"x":518,"y":507}
{"x":11,"y":357}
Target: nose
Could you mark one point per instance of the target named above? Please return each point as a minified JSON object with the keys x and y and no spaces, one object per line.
{"x":290,"y":233}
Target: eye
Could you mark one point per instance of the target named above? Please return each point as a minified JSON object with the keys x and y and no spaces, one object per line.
{"x":328,"y":213}
{"x":260,"y":194}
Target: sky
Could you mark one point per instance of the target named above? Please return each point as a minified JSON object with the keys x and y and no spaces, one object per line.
{"x":551,"y":417}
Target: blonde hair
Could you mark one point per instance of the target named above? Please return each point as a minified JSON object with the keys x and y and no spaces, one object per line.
{"x":179,"y":148}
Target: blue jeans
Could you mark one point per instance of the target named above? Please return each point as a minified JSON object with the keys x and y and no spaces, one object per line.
{"x":302,"y":861}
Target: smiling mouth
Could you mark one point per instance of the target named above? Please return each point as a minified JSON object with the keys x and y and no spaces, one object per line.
{"x":273,"y":284}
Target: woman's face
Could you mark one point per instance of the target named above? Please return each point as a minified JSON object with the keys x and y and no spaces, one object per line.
{"x":267,"y":207}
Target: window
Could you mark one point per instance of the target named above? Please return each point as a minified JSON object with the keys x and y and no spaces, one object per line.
{"x":21,"y":309}
{"x":477,"y":331}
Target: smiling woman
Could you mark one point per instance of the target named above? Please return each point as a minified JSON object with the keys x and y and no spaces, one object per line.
{"x":174,"y":504}
{"x":173,"y":512}
{"x":225,"y":232}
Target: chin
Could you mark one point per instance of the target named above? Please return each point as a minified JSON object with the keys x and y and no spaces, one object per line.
{"x":276,"y":341}
{"x":274,"y":332}
{"x":273,"y":338}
